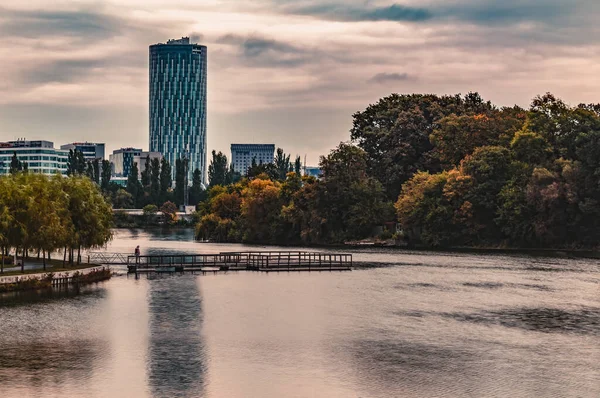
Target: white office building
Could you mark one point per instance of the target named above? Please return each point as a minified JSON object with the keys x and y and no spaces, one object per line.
{"x":243,"y":154}
{"x":91,"y":150}
{"x":122,"y":161}
{"x":40,"y":156}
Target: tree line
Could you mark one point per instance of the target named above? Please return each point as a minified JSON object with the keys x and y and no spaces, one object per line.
{"x":268,"y":209}
{"x":46,"y":214}
{"x":452,"y":170}
{"x":220,"y":172}
{"x":465,"y":172}
{"x":153,"y":188}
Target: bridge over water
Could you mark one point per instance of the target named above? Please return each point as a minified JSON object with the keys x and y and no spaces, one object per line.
{"x":264,"y":261}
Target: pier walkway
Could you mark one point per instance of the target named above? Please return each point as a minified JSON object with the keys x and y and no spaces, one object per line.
{"x":262,"y":261}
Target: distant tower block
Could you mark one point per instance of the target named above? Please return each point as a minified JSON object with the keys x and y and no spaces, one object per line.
{"x":178,"y":102}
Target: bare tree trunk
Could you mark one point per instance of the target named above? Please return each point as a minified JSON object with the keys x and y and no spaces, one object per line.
{"x":38,"y":255}
{"x":2,"y":263}
{"x":44,"y":258}
{"x":22,"y":260}
{"x":65,"y":256}
{"x":78,"y":254}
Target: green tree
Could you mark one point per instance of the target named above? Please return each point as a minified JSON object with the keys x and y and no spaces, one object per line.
{"x":457,"y":136}
{"x":212,"y":227}
{"x":180,"y":169}
{"x":106,"y":174}
{"x":76,"y":163}
{"x":146,"y":173}
{"x":530,"y":148}
{"x":37,"y":212}
{"x":134,"y":187}
{"x":123,"y":199}
{"x":150,"y":210}
{"x":155,"y":181}
{"x":15,"y":164}
{"x":282,"y":164}
{"x":169,"y":211}
{"x":298,"y":166}
{"x":96,"y":167}
{"x":263,"y":170}
{"x":260,"y":210}
{"x":197,"y":192}
{"x":89,"y":170}
{"x":165,"y":179}
{"x":345,"y":205}
{"x":395,"y":134}
{"x":5,"y":221}
{"x":218,"y":170}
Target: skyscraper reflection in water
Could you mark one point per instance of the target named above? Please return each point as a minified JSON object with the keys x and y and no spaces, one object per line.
{"x":176,"y":353}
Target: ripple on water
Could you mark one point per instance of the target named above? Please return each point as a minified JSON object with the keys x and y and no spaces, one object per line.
{"x":547,"y":320}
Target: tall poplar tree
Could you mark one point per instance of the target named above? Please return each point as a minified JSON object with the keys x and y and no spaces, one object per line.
{"x":165,"y":179}
{"x":106,"y":174}
{"x":133,"y":185}
{"x":155,"y":181}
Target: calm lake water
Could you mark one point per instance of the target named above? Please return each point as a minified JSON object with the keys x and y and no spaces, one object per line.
{"x":418,"y":325}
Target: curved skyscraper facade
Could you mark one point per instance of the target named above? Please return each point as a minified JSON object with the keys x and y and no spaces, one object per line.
{"x":178,"y":103}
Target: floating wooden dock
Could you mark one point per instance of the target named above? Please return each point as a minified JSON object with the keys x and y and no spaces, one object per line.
{"x":262,"y":261}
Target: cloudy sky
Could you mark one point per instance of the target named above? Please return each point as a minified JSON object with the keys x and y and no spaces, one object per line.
{"x":290,"y":72}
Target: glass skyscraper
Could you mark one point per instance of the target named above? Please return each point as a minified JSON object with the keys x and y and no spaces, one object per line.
{"x":178,"y":103}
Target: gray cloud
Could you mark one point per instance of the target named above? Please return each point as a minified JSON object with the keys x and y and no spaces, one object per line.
{"x":196,"y":37}
{"x":510,"y":11}
{"x":75,"y":69}
{"x":88,"y":25}
{"x":389,"y":77}
{"x":482,"y":12}
{"x":262,"y":51}
{"x":509,"y":50}
{"x":254,"y":46}
{"x":342,"y":12}
{"x":61,"y":71}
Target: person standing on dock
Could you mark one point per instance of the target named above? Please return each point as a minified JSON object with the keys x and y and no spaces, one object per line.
{"x":137,"y":254}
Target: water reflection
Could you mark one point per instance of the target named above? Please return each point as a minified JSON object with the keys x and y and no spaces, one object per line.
{"x":46,"y":364}
{"x":29,"y":297}
{"x":49,"y":341}
{"x":176,"y":352}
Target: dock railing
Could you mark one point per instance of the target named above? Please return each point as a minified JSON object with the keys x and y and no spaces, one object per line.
{"x":183,"y":261}
{"x":251,"y":260}
{"x":295,"y":259}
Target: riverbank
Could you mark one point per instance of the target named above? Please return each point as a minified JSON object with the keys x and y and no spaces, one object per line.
{"x":187,"y":233}
{"x":36,"y":281}
{"x":536,"y":252}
